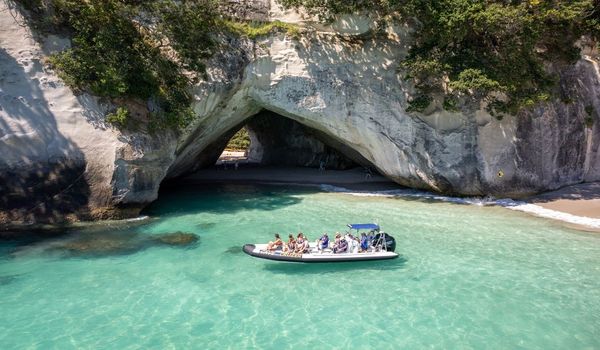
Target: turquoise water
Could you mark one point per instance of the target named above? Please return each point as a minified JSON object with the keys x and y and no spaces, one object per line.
{"x":468,"y":277}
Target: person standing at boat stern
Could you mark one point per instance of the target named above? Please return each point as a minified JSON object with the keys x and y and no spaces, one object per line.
{"x":364,"y":242}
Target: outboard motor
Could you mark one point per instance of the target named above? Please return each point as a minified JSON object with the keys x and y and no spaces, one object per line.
{"x":390,"y":242}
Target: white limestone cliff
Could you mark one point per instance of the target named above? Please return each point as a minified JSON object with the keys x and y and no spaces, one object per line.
{"x":57,"y":150}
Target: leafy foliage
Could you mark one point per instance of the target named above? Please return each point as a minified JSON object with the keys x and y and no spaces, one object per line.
{"x":239,"y":141}
{"x":483,"y":45}
{"x":451,"y":104}
{"x":419,"y":104}
{"x":145,"y":49}
{"x":187,"y":27}
{"x":118,"y":53}
{"x":326,"y":10}
{"x":119,"y":117}
{"x":254,"y":30}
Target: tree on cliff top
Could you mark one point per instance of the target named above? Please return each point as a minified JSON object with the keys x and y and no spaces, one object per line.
{"x":482,"y":45}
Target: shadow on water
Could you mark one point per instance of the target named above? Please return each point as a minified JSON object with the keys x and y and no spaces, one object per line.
{"x":5,"y":280}
{"x":290,"y":268}
{"x":205,"y":226}
{"x":225,"y":198}
{"x":234,"y":250}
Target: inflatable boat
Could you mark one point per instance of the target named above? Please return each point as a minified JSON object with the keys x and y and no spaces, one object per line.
{"x":381,"y":246}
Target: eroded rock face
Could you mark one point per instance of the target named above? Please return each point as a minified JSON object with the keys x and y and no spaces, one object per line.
{"x":345,"y":87}
{"x":350,"y":92}
{"x":59,"y":159}
{"x":276,"y":140}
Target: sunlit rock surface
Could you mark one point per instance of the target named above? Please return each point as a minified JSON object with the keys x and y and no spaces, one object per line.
{"x":61,"y":160}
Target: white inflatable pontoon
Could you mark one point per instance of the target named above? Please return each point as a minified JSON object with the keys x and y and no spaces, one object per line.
{"x":381,"y":247}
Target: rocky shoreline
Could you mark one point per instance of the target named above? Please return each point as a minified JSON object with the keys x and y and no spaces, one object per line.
{"x":61,"y":160}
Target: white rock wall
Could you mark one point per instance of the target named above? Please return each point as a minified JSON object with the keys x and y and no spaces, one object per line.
{"x":42,"y":122}
{"x":346,"y":87}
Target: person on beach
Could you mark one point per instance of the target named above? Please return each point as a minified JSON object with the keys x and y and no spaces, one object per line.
{"x":276,"y":244}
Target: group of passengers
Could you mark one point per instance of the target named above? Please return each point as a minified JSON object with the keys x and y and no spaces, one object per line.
{"x":297,"y":245}
{"x":341,"y":244}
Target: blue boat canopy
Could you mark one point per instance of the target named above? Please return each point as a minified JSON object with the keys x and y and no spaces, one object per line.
{"x":364,"y":226}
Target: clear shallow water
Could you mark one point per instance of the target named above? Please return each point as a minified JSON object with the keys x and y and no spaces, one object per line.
{"x":468,"y":277}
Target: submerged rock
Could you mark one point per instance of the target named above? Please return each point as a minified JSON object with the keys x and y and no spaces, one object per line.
{"x":206,"y":225}
{"x":177,"y":238}
{"x":102,"y":244}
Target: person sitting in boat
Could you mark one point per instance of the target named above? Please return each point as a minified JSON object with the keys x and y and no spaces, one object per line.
{"x":301,"y":244}
{"x":291,"y":244}
{"x":305,"y":246}
{"x":336,"y":242}
{"x":304,"y":237}
{"x":371,"y":237}
{"x":364,"y":242}
{"x":276,"y":244}
{"x":341,"y":245}
{"x":323,"y":242}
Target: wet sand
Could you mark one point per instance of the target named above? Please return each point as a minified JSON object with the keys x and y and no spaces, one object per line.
{"x":581,"y":200}
{"x":354,"y":179}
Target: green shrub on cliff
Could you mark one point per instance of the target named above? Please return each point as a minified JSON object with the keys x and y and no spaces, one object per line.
{"x":483,"y":45}
{"x":254,"y":30}
{"x":119,"y":117}
{"x":118,"y":52}
{"x":149,"y":50}
{"x":188,"y":27}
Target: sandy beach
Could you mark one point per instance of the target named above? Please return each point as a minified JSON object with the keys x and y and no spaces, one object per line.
{"x":581,"y":200}
{"x":354,"y":179}
{"x":566,"y":204}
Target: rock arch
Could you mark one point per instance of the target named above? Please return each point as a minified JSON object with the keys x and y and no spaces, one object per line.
{"x":352,"y":95}
{"x":345,"y":87}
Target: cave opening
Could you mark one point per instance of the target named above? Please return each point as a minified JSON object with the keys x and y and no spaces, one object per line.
{"x":271,"y":147}
{"x":269,"y":139}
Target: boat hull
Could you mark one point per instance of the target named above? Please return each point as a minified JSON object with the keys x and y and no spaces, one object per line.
{"x":259,"y":251}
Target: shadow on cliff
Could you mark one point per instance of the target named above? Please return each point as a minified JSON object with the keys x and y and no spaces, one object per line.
{"x":175,"y":199}
{"x":366,"y":80}
{"x":584,"y":191}
{"x":41,"y":171}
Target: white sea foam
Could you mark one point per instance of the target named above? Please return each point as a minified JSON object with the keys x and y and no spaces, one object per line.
{"x":480,"y":201}
{"x":138,"y":218}
{"x":549,"y":213}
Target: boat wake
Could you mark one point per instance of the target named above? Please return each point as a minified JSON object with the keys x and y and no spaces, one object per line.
{"x":480,"y":201}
